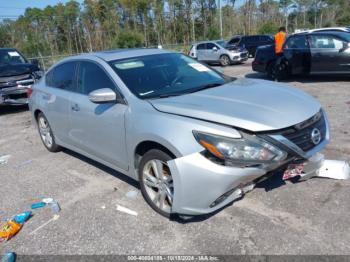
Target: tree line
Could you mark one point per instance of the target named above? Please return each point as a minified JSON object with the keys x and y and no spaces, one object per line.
{"x":104,"y":24}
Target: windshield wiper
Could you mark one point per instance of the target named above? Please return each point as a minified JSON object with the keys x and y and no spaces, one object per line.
{"x":199,"y":88}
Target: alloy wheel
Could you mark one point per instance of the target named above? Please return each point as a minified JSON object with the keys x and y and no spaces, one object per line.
{"x":45,"y":132}
{"x":159,"y":184}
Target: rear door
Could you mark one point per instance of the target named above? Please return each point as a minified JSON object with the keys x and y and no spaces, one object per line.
{"x":328,"y":54}
{"x":60,"y":81}
{"x":97,"y":129}
{"x":297,"y":51}
{"x":201,"y":52}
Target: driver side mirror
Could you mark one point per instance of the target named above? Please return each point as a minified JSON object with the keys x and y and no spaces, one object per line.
{"x":346,"y":45}
{"x":215,"y":49}
{"x":105,"y":95}
{"x":34,"y":62}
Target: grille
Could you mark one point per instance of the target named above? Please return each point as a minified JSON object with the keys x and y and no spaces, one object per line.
{"x":302,"y":137}
{"x":11,"y":81}
{"x":244,"y":55}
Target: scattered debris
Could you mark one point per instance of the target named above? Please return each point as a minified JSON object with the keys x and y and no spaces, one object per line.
{"x":103,"y":207}
{"x":132,"y":194}
{"x":126,"y":210}
{"x":38,"y":205}
{"x":12,"y":226}
{"x":23,"y":217}
{"x":55,"y":217}
{"x":53,"y":205}
{"x":9,"y":257}
{"x":115,"y":189}
{"x":4,"y":159}
{"x":24,"y":163}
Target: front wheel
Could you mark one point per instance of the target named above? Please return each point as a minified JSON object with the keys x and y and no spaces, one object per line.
{"x":225,"y":60}
{"x":156,"y":181}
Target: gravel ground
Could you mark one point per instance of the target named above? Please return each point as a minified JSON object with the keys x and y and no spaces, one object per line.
{"x":310,"y":217}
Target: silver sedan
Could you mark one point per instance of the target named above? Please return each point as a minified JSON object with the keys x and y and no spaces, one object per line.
{"x":195,"y":139}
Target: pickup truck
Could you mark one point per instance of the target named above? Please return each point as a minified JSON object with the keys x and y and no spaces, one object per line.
{"x":17,"y":75}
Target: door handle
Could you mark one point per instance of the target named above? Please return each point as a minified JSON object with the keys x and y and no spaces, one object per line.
{"x":75,"y":107}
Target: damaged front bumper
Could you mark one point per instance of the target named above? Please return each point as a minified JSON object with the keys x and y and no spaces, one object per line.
{"x":16,"y":95}
{"x":202,"y":186}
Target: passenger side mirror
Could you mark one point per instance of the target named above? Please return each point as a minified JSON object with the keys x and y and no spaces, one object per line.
{"x":104,"y":95}
{"x":215,"y":49}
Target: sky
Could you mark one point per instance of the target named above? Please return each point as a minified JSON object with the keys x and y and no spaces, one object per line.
{"x":14,"y":8}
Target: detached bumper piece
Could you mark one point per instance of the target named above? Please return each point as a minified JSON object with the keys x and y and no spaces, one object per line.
{"x":317,"y":166}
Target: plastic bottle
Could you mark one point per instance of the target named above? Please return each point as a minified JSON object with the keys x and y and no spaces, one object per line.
{"x":9,"y":257}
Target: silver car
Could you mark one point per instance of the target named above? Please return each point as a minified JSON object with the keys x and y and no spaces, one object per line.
{"x":218,"y":52}
{"x":194,"y":139}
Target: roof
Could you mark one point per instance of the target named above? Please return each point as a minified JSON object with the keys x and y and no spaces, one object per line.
{"x":7,"y":49}
{"x":341,"y":34}
{"x":110,"y":55}
{"x":333,"y":29}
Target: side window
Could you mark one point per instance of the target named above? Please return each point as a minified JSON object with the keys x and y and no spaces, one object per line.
{"x":49,"y":78}
{"x":62,"y":76}
{"x":200,"y":46}
{"x":297,"y":42}
{"x":252,"y":39}
{"x":92,"y":77}
{"x":325,"y":42}
{"x":211,"y":46}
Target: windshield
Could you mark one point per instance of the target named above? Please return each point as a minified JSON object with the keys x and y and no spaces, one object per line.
{"x":222,"y":43}
{"x":164,"y":75}
{"x":11,"y":57}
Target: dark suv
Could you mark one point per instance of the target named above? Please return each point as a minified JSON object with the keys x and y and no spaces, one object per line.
{"x":315,"y":53}
{"x":17,"y":74}
{"x":251,"y":42}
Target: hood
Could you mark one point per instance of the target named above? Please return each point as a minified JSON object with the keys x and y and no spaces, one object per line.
{"x":254,"y":105}
{"x":18,"y":69}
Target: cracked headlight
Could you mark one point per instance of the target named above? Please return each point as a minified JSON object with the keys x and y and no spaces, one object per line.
{"x":248,"y":148}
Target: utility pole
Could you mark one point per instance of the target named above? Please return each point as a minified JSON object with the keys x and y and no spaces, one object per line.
{"x":220,"y":14}
{"x":193,"y":26}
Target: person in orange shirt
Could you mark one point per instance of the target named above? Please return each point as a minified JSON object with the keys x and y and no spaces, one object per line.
{"x":280,"y":37}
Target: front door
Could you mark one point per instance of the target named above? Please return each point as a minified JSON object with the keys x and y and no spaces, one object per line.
{"x":297,"y":52}
{"x":97,"y":129}
{"x":328,"y":54}
{"x":213,"y":52}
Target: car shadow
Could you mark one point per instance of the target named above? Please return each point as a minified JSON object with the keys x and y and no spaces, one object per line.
{"x":6,"y":110}
{"x":303,"y":79}
{"x":104,"y":168}
{"x":272,"y":182}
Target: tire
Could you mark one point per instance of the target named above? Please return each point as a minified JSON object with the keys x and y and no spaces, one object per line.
{"x":271,"y":72}
{"x":46,"y":134}
{"x":225,"y":60}
{"x":156,"y":187}
{"x":281,"y":70}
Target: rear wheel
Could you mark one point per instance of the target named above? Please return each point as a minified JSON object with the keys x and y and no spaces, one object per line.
{"x":156,"y":181}
{"x":225,"y":60}
{"x":271,"y":71}
{"x":46,"y":134}
{"x":281,"y":70}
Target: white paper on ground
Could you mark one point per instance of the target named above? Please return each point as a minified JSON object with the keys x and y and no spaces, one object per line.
{"x":4,"y":159}
{"x":126,"y":210}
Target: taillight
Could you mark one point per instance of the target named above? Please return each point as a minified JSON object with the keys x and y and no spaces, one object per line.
{"x":29,"y":92}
